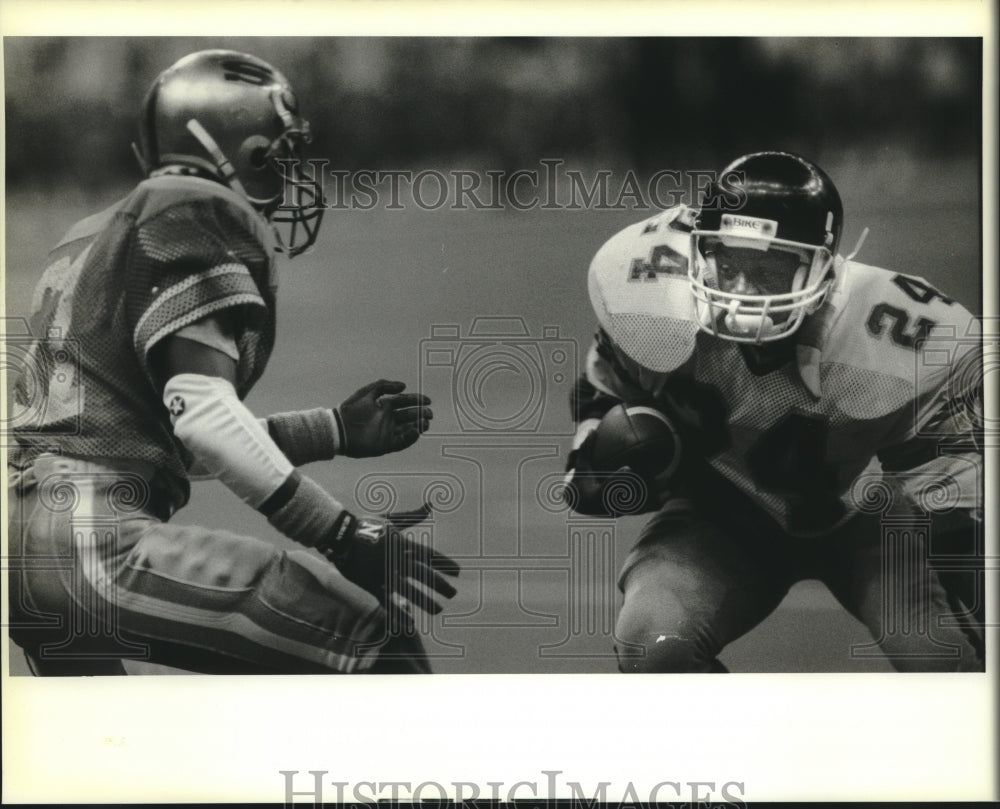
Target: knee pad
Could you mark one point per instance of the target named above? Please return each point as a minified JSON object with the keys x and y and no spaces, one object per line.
{"x":660,"y":654}
{"x":660,"y":641}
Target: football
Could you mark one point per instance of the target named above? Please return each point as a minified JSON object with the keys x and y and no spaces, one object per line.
{"x":636,"y":436}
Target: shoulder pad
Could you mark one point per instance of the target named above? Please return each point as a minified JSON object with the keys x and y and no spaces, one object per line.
{"x":639,"y":289}
{"x":895,"y":330}
{"x":90,"y":225}
{"x":156,"y":194}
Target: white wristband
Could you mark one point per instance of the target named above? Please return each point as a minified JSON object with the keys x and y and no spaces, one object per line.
{"x":305,"y":436}
{"x":584,"y":428}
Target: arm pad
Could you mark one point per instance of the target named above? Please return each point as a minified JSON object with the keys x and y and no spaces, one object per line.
{"x":224,"y":437}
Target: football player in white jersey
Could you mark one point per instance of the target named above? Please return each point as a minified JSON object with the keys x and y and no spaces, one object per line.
{"x":822,"y":434}
{"x":152,"y":322}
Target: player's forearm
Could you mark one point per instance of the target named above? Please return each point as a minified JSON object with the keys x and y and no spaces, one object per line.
{"x":939,"y":461}
{"x":232,"y":445}
{"x":588,"y":405}
{"x":947,"y":483}
{"x":597,"y":390}
{"x":588,"y":402}
{"x":611,"y":373}
{"x":305,"y":436}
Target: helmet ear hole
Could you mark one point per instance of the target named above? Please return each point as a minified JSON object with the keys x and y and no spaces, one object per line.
{"x":258,"y":158}
{"x":254,"y":152}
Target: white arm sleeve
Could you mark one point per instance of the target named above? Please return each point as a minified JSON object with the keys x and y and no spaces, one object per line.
{"x":224,"y":437}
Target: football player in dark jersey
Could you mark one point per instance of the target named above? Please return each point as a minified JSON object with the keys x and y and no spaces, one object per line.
{"x":830,"y":415}
{"x":152,"y":321}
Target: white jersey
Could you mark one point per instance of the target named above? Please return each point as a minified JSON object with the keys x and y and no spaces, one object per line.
{"x":862,"y":396}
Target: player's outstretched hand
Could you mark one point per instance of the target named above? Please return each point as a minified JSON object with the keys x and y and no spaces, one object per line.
{"x":380,"y":418}
{"x":376,"y":556}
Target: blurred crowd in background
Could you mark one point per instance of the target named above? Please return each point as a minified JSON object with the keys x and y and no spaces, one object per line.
{"x":505,"y":103}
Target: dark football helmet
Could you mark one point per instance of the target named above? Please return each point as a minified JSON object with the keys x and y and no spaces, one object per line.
{"x":789,"y":212}
{"x":234,"y":117}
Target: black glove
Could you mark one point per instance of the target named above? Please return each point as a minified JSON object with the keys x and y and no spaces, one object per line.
{"x":380,"y":418}
{"x":604,"y":494}
{"x":377,"y":557}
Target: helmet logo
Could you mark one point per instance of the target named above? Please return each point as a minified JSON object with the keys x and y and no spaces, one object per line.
{"x":747,"y":231}
{"x":749,"y":226}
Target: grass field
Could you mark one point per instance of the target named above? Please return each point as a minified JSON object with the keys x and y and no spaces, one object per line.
{"x":383,"y":288}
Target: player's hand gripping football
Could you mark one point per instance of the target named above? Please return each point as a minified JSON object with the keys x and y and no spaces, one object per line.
{"x":586,"y":488}
{"x":625,"y":465}
{"x":380,"y":418}
{"x":376,"y":556}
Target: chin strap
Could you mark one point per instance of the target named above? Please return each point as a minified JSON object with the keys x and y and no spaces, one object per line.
{"x":143,"y":163}
{"x":841,"y":261}
{"x":857,"y":247}
{"x":218,"y":157}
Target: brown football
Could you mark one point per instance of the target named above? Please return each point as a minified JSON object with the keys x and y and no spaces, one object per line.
{"x":636,"y":436}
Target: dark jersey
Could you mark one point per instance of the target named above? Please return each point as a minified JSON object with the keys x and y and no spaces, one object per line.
{"x":173,"y":251}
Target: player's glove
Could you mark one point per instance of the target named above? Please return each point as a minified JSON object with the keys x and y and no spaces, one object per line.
{"x":603,"y":494}
{"x":377,"y":557}
{"x":380,"y":418}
